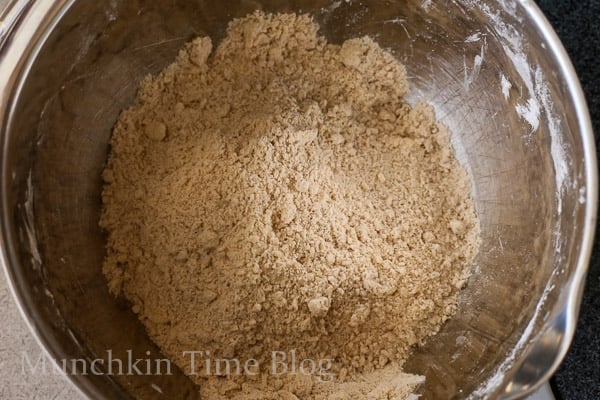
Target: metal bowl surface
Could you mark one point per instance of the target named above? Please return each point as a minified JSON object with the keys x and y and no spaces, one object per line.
{"x":497,"y":76}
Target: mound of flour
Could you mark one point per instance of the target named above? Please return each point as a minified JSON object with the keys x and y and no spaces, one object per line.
{"x":277,"y":193}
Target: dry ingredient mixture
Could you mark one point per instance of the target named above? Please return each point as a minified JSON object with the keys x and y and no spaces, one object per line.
{"x":277,"y":193}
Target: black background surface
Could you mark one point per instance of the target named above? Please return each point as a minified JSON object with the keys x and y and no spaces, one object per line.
{"x":577,"y":22}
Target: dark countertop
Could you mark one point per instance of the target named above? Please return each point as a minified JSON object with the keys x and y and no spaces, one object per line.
{"x":577,"y":22}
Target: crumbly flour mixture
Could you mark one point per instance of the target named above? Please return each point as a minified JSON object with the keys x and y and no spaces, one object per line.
{"x":276,"y":194}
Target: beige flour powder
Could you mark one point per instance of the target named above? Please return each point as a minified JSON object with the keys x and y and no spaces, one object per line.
{"x":275,"y":194}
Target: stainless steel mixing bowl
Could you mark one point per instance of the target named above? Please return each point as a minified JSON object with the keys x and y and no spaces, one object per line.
{"x":497,"y":76}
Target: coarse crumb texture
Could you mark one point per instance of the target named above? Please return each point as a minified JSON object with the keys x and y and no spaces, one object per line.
{"x":277,"y":193}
